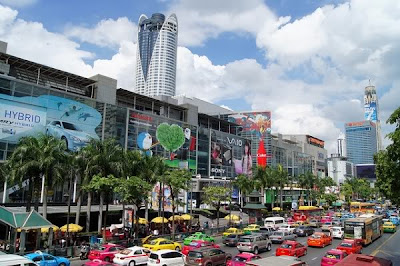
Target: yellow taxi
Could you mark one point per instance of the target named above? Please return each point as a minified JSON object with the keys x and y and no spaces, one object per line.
{"x":389,"y":227}
{"x":252,"y":228}
{"x":300,"y":223}
{"x":231,"y":231}
{"x":162,"y":243}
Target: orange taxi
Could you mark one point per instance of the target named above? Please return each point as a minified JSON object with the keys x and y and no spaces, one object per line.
{"x":319,"y":239}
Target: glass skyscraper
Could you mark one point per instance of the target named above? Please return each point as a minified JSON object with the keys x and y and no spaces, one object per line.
{"x":156,"y":55}
{"x":361,"y":142}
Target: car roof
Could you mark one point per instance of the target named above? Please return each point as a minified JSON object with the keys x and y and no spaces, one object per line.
{"x":246,"y":255}
{"x":203,"y":249}
{"x":134,"y":248}
{"x":319,"y":233}
{"x":290,"y":242}
{"x":160,"y":239}
{"x":336,"y":251}
{"x":35,"y":254}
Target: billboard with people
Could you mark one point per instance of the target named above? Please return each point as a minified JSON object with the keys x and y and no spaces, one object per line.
{"x":255,"y":122}
{"x":370,"y":104}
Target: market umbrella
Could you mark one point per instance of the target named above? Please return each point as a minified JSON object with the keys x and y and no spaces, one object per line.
{"x":159,"y":220}
{"x":176,"y":218}
{"x":46,"y":229}
{"x":276,"y":209}
{"x":142,"y":221}
{"x":187,"y":217}
{"x":232,"y":217}
{"x":73,"y":228}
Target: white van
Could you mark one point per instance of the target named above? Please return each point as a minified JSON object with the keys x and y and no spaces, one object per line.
{"x":8,"y":260}
{"x":274,"y":222}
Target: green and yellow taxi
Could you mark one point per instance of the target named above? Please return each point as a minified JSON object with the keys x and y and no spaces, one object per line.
{"x":389,"y":227}
{"x":252,"y":228}
{"x":231,"y":231}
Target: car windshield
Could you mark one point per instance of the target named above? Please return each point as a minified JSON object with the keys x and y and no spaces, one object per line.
{"x":327,"y":223}
{"x":153,"y":256}
{"x":126,"y":251}
{"x":277,"y":233}
{"x":316,"y":236}
{"x":154,"y":242}
{"x":301,"y":227}
{"x":346,"y":245}
{"x":246,"y":240}
{"x":284,"y":226}
{"x":194,"y":244}
{"x":231,"y":236}
{"x":231,"y":230}
{"x":70,"y":126}
{"x":332,"y":256}
{"x":336,"y":229}
{"x":239,"y":259}
{"x":388,"y":224}
{"x":100,"y":248}
{"x":286,"y":246}
{"x":194,"y":254}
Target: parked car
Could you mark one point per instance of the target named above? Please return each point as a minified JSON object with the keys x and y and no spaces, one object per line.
{"x":254,"y":243}
{"x":207,"y":257}
{"x":314,"y":223}
{"x":162,"y":243}
{"x":291,"y":248}
{"x":232,"y":230}
{"x":197,"y":236}
{"x":319,"y":239}
{"x":338,"y":232}
{"x":242,"y":258}
{"x":232,"y":240}
{"x":131,"y":256}
{"x":332,"y":257}
{"x":279,"y":236}
{"x":166,"y":257}
{"x":44,"y":259}
{"x":197,"y":244}
{"x":287,"y":228}
{"x":105,"y":252}
{"x":351,"y":246}
{"x":326,"y":226}
{"x":252,"y":228}
{"x":304,"y":230}
{"x":389,"y":227}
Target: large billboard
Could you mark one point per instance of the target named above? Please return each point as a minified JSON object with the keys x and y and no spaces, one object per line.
{"x":370,"y":105}
{"x":68,"y":120}
{"x":255,"y":122}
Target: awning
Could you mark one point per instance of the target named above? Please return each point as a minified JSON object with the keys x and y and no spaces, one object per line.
{"x":254,"y":206}
{"x":23,"y":220}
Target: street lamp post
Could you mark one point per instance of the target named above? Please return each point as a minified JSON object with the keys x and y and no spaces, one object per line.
{"x":68,"y":198}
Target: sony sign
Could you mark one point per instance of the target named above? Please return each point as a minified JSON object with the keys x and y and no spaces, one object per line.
{"x":233,"y":141}
{"x":217,"y":170}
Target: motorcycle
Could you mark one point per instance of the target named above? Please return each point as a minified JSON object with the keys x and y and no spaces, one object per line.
{"x":85,"y":249}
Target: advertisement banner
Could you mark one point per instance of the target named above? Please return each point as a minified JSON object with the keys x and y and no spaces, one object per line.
{"x":255,"y":122}
{"x":332,"y":190}
{"x":73,"y":122}
{"x":370,"y":112}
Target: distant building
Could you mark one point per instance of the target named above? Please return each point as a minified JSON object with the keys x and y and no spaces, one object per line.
{"x":371,"y":112}
{"x":339,"y":168}
{"x":156,"y":55}
{"x":314,"y":147}
{"x":361,"y":144}
{"x":341,"y":145}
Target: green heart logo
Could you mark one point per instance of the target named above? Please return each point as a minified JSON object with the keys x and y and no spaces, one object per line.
{"x":171,"y":137}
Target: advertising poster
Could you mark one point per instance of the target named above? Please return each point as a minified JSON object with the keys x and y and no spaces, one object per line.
{"x":370,"y":112}
{"x":155,"y":194}
{"x":65,"y":119}
{"x":255,"y":122}
{"x":332,"y":190}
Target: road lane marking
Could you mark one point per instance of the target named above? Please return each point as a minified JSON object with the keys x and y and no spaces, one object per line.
{"x":314,"y":258}
{"x":378,"y":248}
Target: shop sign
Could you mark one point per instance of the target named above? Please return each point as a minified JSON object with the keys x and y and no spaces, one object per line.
{"x":316,"y":142}
{"x":217,"y":170}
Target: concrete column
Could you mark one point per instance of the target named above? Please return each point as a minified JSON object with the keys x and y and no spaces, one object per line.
{"x":38,"y":238}
{"x":22,"y":242}
{"x":50,"y":239}
{"x":13,"y":239}
{"x":42,"y":192}
{"x":5,"y":192}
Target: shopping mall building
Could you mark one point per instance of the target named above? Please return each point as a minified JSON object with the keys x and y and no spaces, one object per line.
{"x":35,"y":99}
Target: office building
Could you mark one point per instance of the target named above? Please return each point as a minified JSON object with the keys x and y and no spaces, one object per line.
{"x":361,"y":144}
{"x":371,"y":112}
{"x":156,"y":55}
{"x":339,"y":168}
{"x":312,"y":146}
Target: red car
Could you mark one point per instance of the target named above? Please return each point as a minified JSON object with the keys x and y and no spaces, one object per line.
{"x":291,"y":248}
{"x":319,"y":239}
{"x":332,"y":257}
{"x":351,"y":246}
{"x":197,"y":244}
{"x":241,"y":259}
{"x":105,"y":252}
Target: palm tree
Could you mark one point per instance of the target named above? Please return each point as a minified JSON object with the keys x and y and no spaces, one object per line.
{"x":281,"y":176}
{"x":263,"y":179}
{"x":245,"y":185}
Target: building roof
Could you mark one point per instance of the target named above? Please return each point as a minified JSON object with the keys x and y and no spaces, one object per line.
{"x":23,"y":220}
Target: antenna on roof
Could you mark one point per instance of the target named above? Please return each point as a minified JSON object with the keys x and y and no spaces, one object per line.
{"x":369,"y":80}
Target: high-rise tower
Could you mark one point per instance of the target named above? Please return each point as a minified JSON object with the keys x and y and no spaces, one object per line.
{"x":371,"y":112}
{"x":156,"y":55}
{"x":341,"y":145}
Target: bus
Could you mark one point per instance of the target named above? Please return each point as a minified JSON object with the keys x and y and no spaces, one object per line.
{"x":364,"y":207}
{"x":306,"y":213}
{"x":367,"y":227}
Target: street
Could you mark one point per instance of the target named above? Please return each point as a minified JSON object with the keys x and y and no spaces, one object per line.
{"x":384,"y":247}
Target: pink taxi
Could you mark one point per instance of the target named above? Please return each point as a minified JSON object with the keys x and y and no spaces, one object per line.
{"x":332,"y":257}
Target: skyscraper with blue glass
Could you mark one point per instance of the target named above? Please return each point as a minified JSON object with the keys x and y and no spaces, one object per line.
{"x":361,"y":143}
{"x":156,"y":55}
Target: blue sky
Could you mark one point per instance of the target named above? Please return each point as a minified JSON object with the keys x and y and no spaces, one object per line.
{"x":307,"y":61}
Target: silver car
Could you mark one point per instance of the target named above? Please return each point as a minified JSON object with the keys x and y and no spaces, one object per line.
{"x":280,"y":236}
{"x":254,"y":243}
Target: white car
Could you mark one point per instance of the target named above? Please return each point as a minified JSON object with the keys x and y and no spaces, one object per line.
{"x":131,"y":256}
{"x":166,"y":257}
{"x":287,"y":228}
{"x":327,"y":226}
{"x":337,"y":232}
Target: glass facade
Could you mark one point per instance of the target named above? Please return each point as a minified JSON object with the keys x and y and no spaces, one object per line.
{"x":361,"y":142}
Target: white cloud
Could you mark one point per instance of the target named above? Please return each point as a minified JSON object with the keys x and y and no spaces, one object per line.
{"x":107,"y":33}
{"x":18,"y":3}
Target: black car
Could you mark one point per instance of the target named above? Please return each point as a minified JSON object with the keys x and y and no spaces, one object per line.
{"x":232,"y":240}
{"x":303,"y":230}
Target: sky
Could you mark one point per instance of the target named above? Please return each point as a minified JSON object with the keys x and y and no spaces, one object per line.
{"x":307,"y":61}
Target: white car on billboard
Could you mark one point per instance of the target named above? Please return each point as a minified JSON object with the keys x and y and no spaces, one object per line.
{"x":71,"y":134}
